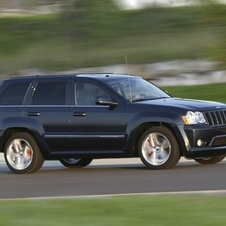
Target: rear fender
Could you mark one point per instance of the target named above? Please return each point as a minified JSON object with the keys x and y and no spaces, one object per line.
{"x":12,"y":125}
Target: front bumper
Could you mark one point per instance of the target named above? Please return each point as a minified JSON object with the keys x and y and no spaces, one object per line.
{"x":204,"y":140}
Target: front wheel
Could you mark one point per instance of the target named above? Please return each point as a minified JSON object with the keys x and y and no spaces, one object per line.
{"x":22,"y":154}
{"x":76,"y":163}
{"x":210,"y":160}
{"x":158,"y":148}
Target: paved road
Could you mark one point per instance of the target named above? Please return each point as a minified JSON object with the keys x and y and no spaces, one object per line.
{"x":104,"y":177}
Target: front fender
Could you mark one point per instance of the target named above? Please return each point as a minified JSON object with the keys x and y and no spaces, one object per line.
{"x":141,"y":121}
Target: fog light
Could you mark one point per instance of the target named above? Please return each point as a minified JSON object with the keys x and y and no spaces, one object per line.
{"x":201,"y":142}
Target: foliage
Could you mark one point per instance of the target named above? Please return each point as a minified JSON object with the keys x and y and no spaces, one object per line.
{"x":95,"y":33}
{"x":86,"y":17}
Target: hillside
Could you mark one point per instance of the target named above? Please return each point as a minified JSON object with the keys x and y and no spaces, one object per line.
{"x":90,"y":38}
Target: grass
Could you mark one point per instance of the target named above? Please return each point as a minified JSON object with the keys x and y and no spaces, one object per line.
{"x":214,"y":92}
{"x":60,"y":42}
{"x":125,"y":210}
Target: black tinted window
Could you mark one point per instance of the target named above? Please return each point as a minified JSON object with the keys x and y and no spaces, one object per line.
{"x":14,"y":94}
{"x":50,"y":93}
{"x":87,"y":93}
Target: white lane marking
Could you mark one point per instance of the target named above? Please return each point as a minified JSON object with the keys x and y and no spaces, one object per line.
{"x":203,"y":192}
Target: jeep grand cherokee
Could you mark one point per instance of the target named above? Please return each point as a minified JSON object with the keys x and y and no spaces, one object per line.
{"x":78,"y":118}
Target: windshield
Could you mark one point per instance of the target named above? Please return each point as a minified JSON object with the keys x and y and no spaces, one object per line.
{"x":137,"y":89}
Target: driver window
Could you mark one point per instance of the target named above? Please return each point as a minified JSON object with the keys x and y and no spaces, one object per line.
{"x":87,"y":93}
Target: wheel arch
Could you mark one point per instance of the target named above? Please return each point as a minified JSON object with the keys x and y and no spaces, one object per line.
{"x":14,"y":130}
{"x":146,"y":125}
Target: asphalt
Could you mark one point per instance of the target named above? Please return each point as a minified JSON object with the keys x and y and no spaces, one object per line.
{"x":101,"y":177}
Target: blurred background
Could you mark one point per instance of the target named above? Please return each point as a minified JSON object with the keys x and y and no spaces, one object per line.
{"x":156,"y":37}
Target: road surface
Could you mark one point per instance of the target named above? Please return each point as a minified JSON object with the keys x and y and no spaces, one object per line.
{"x":104,"y":177}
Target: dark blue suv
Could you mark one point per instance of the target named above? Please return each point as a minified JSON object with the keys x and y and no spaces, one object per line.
{"x":78,"y":118}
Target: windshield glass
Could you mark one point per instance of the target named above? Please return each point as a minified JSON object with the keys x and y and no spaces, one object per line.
{"x":137,"y":89}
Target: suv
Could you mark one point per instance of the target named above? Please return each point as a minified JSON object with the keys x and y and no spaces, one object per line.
{"x":78,"y":118}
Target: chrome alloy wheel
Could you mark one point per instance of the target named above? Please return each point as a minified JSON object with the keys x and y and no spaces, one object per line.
{"x":71,"y":161}
{"x":19,"y":154}
{"x":76,"y":162}
{"x":156,"y":149}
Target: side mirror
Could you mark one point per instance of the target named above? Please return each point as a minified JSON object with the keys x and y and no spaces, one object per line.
{"x":105,"y":100}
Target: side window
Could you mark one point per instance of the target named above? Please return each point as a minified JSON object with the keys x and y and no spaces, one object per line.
{"x":87,"y":93}
{"x":14,"y":94}
{"x":50,"y":93}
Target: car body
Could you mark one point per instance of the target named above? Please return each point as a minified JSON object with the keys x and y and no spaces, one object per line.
{"x":78,"y":118}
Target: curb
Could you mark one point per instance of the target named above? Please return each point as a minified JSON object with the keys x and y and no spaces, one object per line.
{"x":2,"y":157}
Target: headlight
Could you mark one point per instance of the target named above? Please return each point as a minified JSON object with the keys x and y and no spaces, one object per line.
{"x":193,"y":118}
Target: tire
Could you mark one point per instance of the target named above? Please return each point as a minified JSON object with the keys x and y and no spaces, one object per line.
{"x":22,"y":154}
{"x":76,"y":163}
{"x":211,"y":160}
{"x":158,"y":148}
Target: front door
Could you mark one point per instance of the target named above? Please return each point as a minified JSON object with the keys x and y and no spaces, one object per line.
{"x":95,"y":127}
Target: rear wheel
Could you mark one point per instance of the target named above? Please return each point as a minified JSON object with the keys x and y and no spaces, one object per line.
{"x":76,"y":163}
{"x":210,"y":160}
{"x":158,"y":148}
{"x":22,"y":154}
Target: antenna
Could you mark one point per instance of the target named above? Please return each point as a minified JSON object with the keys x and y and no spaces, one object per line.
{"x":130,"y":91}
{"x":127,"y":65}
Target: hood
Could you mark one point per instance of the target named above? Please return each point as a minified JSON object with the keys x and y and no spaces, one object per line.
{"x":189,"y":104}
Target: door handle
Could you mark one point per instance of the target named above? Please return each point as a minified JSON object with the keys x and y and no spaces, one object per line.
{"x":33,"y":114}
{"x":79,"y":114}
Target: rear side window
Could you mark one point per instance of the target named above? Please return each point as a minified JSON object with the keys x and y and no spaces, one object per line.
{"x":14,"y":94}
{"x":50,"y":93}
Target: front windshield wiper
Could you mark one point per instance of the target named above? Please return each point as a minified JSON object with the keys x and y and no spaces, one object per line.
{"x":137,"y":100}
{"x":144,"y":99}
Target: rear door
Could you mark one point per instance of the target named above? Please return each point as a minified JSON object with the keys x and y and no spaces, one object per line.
{"x":49,"y":110}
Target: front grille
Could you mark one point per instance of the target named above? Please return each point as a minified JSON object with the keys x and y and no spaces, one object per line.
{"x":218,"y":141}
{"x":216,"y":118}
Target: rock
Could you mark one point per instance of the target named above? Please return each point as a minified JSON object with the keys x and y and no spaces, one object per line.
{"x":178,"y":72}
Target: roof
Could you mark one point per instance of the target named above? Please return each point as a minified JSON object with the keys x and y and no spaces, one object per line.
{"x":100,"y":76}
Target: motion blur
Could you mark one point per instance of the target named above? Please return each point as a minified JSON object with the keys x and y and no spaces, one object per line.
{"x":60,"y":35}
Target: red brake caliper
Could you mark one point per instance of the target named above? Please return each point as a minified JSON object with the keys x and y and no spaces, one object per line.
{"x":150,"y":152}
{"x":29,"y":152}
